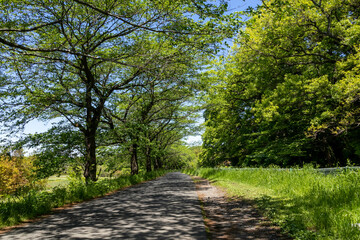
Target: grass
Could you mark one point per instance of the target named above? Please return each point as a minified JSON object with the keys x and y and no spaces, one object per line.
{"x":62,"y":180}
{"x":303,"y":202}
{"x":14,"y":210}
{"x":56,"y":181}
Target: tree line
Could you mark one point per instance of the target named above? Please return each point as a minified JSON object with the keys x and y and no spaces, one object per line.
{"x":120,"y":75}
{"x":288,"y":93}
{"x":123,"y":79}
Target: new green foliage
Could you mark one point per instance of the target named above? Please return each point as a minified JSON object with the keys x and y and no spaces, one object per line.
{"x":152,"y":117}
{"x":288,"y":93}
{"x":56,"y":150}
{"x":70,"y":59}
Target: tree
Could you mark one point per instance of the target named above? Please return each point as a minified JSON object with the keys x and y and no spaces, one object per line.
{"x":56,"y":150}
{"x":150,"y":111}
{"x":67,"y":58}
{"x":291,"y":89}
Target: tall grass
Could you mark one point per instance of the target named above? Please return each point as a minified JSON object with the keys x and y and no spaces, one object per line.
{"x":305,"y":203}
{"x":14,"y":210}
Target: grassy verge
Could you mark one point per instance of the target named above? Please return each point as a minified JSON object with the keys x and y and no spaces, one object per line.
{"x":57,"y":181}
{"x":63,"y":180}
{"x":303,"y":202}
{"x":16,"y":210}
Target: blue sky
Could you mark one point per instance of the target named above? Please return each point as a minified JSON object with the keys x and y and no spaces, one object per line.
{"x":234,"y":5}
{"x":240,"y":5}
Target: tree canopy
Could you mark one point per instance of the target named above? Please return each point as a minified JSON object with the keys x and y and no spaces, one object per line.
{"x":124,"y":76}
{"x":70,"y":59}
{"x":288,"y":94}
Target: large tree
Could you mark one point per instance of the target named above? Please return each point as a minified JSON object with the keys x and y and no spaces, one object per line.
{"x":67,"y":58}
{"x":291,"y":89}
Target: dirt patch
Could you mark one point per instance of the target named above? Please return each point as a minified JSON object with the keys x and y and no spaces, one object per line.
{"x":233,"y":218}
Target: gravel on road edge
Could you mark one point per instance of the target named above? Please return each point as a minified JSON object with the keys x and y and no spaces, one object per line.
{"x":233,"y":218}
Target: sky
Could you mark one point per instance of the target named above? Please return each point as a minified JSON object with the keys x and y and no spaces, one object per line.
{"x":36,"y":126}
{"x":234,"y":5}
{"x":240,"y":5}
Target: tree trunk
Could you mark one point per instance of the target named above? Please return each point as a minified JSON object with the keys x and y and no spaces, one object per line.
{"x":156,"y":163}
{"x":92,"y":121}
{"x":90,"y":158}
{"x":160,"y":164}
{"x":148,"y":159}
{"x":330,"y":156}
{"x":134,"y":162}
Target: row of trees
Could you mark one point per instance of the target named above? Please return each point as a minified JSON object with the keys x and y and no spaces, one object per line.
{"x":121,"y":78}
{"x":119,"y":74}
{"x":289,"y":92}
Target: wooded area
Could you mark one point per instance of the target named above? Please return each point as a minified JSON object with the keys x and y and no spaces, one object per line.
{"x":120,"y":75}
{"x":126,"y":82}
{"x":288,"y":94}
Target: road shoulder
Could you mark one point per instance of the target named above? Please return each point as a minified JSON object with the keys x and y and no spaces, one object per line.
{"x":232,"y":218}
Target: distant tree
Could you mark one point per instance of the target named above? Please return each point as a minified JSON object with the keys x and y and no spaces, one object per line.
{"x":56,"y":150}
{"x":160,"y":107}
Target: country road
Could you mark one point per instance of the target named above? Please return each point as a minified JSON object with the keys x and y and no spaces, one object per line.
{"x":166,"y":208}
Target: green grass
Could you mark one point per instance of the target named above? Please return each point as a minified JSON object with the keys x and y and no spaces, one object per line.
{"x":303,"y":202}
{"x":56,"y":181}
{"x":14,"y":210}
{"x":62,"y":180}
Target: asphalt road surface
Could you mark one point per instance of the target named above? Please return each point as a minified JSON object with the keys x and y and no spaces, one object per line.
{"x":166,"y":208}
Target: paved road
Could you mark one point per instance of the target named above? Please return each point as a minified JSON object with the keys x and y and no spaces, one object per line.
{"x":167,"y":208}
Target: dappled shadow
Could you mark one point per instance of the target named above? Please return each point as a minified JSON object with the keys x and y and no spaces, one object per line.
{"x":290,"y":212}
{"x":233,"y":218}
{"x":316,"y":213}
{"x":167,"y":208}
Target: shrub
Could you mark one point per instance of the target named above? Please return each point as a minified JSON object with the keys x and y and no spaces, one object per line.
{"x":16,"y":175}
{"x":33,"y":203}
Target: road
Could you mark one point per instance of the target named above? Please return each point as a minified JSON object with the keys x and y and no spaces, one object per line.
{"x":166,"y":208}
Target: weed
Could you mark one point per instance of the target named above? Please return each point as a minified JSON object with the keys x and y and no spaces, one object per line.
{"x":303,"y":202}
{"x":34,"y":203}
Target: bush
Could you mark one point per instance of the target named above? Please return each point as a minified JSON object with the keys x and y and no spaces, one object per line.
{"x":17,"y":175}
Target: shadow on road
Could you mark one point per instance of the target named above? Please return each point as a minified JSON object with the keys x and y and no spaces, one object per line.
{"x":234,"y":218}
{"x":167,"y":208}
